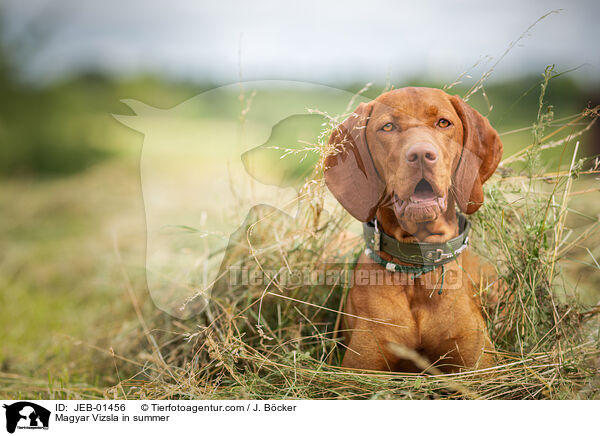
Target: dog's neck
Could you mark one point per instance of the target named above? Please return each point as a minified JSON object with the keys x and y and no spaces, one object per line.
{"x":440,"y":230}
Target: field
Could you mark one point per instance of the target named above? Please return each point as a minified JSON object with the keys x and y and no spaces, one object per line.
{"x":78,"y":320}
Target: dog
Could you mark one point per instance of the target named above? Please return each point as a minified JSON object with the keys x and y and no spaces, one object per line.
{"x":402,"y":163}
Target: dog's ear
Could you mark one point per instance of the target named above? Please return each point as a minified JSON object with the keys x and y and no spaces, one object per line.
{"x":349,"y":170}
{"x":481,"y":154}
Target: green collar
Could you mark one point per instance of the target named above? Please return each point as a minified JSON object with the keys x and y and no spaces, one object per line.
{"x":424,"y":257}
{"x":418,"y":253}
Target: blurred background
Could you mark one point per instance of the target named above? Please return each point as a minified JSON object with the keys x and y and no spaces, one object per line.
{"x":72,"y":231}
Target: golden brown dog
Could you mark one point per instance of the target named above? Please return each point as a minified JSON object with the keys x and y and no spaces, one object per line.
{"x":406,"y":159}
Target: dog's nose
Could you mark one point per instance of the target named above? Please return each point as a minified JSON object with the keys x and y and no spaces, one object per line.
{"x":421,"y":153}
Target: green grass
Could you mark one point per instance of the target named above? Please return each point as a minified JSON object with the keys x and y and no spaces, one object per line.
{"x":60,"y":298}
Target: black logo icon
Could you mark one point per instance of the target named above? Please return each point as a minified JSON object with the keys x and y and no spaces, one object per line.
{"x":26,"y":415}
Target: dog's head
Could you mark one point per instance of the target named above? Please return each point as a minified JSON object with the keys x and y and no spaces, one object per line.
{"x":414,"y":150}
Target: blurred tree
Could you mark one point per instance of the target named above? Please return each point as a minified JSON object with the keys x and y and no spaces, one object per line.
{"x":43,"y":130}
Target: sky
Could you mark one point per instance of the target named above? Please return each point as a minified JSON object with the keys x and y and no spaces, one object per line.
{"x":310,"y":40}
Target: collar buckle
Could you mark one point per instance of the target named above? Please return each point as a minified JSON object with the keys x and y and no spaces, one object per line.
{"x":440,"y":255}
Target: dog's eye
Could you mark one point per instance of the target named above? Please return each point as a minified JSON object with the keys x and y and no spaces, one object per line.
{"x":388,"y":127}
{"x":443,"y":123}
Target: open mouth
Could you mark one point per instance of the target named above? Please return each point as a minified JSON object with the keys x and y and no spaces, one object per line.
{"x":423,"y":192}
{"x":422,"y":205}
